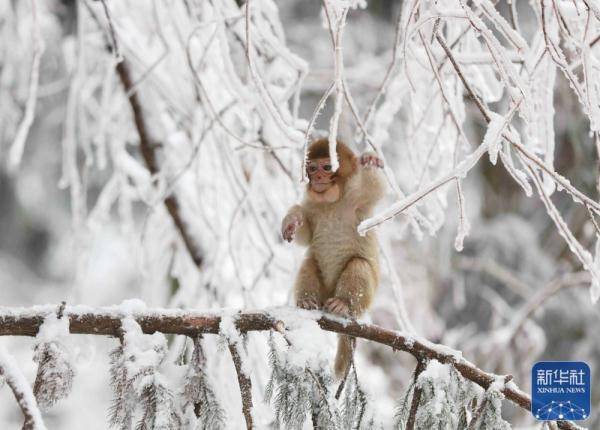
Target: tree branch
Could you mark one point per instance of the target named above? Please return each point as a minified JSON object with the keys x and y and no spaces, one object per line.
{"x":414,"y":406}
{"x":147,"y":147}
{"x":245,"y":385}
{"x":22,"y":392}
{"x":107,"y":321}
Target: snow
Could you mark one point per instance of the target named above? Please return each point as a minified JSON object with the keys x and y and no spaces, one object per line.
{"x":464,"y":226}
{"x":228,"y":329}
{"x":493,"y":136}
{"x":147,"y":350}
{"x":437,"y":372}
{"x":53,"y":328}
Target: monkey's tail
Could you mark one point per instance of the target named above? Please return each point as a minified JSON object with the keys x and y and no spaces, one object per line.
{"x":343,"y":357}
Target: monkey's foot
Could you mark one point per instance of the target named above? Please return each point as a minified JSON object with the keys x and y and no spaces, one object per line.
{"x":309,"y":304}
{"x":337,"y":306}
{"x":371,"y":160}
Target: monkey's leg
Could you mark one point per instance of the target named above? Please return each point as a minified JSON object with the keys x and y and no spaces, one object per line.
{"x":355,"y":289}
{"x":353,"y":296}
{"x":308,"y":287}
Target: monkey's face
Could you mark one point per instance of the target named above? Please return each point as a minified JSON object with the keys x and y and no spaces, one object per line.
{"x":320,"y":174}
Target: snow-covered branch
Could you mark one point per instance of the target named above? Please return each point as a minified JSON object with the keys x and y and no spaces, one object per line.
{"x":9,"y":371}
{"x":107,"y":321}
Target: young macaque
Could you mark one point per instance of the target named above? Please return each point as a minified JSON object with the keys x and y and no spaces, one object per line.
{"x":341,"y":270}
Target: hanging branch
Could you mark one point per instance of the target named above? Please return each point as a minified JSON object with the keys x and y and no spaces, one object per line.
{"x":148,"y":144}
{"x":147,"y":147}
{"x":414,"y":406}
{"x":265,"y":95}
{"x":22,"y":391}
{"x":107,"y":322}
{"x":245,"y":385}
{"x":18,"y":146}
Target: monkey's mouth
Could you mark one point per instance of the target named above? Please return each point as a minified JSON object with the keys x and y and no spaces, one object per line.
{"x":321,"y":187}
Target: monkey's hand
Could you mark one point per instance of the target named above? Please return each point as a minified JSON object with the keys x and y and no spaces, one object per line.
{"x":369,"y":159}
{"x":337,"y":306}
{"x":309,"y":303}
{"x":291,"y":223}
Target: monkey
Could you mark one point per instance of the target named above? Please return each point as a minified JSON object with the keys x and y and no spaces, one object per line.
{"x":340,"y":271}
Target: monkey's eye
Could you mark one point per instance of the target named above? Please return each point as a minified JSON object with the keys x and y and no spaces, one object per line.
{"x":312,"y":168}
{"x":327,"y":167}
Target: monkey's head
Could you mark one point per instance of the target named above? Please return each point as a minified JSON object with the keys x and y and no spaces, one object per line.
{"x":324,"y":184}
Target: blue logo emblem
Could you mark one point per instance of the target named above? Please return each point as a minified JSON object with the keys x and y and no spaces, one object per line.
{"x":561,"y":390}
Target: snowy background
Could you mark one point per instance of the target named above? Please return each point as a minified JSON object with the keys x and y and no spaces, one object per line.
{"x":83,"y":220}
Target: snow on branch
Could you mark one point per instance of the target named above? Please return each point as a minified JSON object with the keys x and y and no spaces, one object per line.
{"x":55,"y":373}
{"x":22,"y":391}
{"x":107,"y":321}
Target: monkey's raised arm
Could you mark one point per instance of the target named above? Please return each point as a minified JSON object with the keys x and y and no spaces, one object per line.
{"x":372,"y":183}
{"x":295,"y":226}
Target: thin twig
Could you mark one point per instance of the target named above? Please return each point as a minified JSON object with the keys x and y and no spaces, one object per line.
{"x":266,"y":96}
{"x":388,"y":74}
{"x":245,"y":385}
{"x":416,"y":399}
{"x":18,"y":146}
{"x":478,"y":414}
{"x":537,"y":300}
{"x":113,"y":33}
{"x":461,"y":75}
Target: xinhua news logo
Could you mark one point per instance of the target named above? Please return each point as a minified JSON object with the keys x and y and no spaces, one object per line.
{"x":561,"y":390}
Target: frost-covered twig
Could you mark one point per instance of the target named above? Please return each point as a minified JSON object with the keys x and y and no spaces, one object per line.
{"x":22,"y":392}
{"x":265,"y":95}
{"x":199,"y":393}
{"x":107,"y":321}
{"x":461,"y":75}
{"x":16,"y":150}
{"x":141,"y":390}
{"x":338,"y":78}
{"x":113,"y":33}
{"x":399,"y":207}
{"x":311,"y":124}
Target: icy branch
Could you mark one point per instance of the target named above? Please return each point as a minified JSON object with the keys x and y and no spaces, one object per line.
{"x":337,"y":32}
{"x":18,"y":145}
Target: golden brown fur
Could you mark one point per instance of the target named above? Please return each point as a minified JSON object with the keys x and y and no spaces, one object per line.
{"x":341,"y":268}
